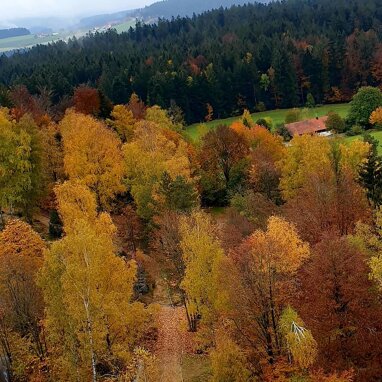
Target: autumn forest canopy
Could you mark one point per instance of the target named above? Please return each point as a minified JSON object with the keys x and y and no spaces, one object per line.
{"x":130,"y":252}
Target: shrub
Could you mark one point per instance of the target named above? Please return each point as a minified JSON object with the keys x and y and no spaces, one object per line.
{"x":283,"y":132}
{"x":355,"y":130}
{"x":335,"y":123}
{"x":293,"y":115}
{"x":266,"y":122}
{"x":228,"y":362}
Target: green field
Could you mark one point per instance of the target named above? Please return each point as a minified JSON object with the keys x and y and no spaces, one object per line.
{"x":124,"y":27}
{"x":20,"y":42}
{"x":278,"y":117}
{"x":28,"y":41}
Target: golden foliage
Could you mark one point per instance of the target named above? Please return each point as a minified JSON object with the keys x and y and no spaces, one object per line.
{"x":314,"y":155}
{"x":376,"y":117}
{"x":122,"y":122}
{"x":279,"y":247}
{"x":152,"y":152}
{"x":92,"y":156}
{"x":299,"y":340}
{"x":228,"y":362}
{"x":202,"y":257}
{"x":306,"y":154}
{"x":88,"y":292}
{"x":21,"y":338}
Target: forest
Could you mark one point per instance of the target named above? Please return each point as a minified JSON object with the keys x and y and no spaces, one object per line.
{"x":130,"y":252}
{"x":247,"y":57}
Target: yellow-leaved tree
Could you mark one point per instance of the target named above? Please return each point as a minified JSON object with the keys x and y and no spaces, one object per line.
{"x":122,"y":121}
{"x":319,"y":182}
{"x":228,"y":361}
{"x":305,"y":155}
{"x":92,"y":156}
{"x":21,"y":181}
{"x":315,"y":155}
{"x":369,"y":237}
{"x":92,"y":322}
{"x":153,"y":152}
{"x":202,"y":257}
{"x":161,"y":118}
{"x":299,"y":342}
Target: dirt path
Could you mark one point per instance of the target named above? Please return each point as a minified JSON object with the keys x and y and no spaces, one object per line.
{"x":171,"y":343}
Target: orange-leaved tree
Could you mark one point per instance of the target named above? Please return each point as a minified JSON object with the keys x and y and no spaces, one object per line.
{"x":22,"y":310}
{"x":260,"y":278}
{"x":376,"y":117}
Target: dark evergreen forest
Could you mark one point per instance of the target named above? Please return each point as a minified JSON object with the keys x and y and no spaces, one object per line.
{"x":253,"y":56}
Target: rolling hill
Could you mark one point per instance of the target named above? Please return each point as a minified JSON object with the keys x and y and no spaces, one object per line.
{"x":174,"y":8}
{"x":162,"y":9}
{"x":13,"y":32}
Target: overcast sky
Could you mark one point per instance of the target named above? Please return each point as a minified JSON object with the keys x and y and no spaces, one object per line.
{"x":11,"y":9}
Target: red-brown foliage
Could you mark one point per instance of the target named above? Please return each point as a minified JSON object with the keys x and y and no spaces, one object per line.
{"x":338,"y":305}
{"x":25,"y":103}
{"x":326,"y":205}
{"x":137,"y":107}
{"x":86,"y":100}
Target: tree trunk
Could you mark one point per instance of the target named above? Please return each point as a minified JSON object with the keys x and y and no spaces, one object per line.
{"x":91,"y":341}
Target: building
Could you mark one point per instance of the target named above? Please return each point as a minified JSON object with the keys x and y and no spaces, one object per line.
{"x":310,"y":126}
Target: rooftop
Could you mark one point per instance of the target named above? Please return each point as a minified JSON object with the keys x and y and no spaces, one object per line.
{"x":310,"y":126}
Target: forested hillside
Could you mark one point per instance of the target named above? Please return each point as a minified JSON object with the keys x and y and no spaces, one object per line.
{"x":242,"y":250}
{"x":173,"y":8}
{"x":131,"y":254}
{"x":253,"y":56}
{"x":13,"y":32}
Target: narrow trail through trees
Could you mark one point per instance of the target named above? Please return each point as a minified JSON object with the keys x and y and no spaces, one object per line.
{"x":171,"y":343}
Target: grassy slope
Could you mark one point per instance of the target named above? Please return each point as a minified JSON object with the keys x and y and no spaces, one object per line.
{"x":278,"y":117}
{"x":375,"y":134}
{"x":20,"y":42}
{"x":124,"y":27}
{"x":28,"y":41}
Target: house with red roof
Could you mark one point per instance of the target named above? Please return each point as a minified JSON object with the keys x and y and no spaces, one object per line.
{"x":309,"y":126}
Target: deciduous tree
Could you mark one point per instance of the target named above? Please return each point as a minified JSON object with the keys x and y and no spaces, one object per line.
{"x":338,"y":304}
{"x":92,"y":322}
{"x":222,"y":157}
{"x":22,"y":308}
{"x":327,"y":196}
{"x":86,"y":100}
{"x":152,"y":152}
{"x":260,"y":276}
{"x":21,"y":173}
{"x":363,"y":104}
{"x":376,"y":117}
{"x":202,"y":256}
{"x":122,"y":121}
{"x":92,"y":156}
